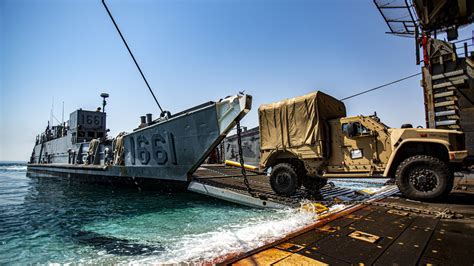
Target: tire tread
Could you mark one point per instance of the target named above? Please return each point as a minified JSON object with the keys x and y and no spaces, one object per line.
{"x":439,"y":166}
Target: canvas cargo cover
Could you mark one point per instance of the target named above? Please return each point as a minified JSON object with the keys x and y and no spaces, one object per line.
{"x":296,"y":122}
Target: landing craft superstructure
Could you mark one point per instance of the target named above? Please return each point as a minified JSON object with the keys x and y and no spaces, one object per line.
{"x":168,"y":148}
{"x":68,"y":142}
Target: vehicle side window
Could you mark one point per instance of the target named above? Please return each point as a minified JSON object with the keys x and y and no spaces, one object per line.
{"x":361,"y":130}
{"x":354,"y":129}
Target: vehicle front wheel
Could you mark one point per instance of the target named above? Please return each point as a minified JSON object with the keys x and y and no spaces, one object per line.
{"x":423,"y":177}
{"x":283,"y":179}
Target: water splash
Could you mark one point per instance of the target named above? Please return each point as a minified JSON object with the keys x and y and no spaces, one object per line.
{"x":233,"y":236}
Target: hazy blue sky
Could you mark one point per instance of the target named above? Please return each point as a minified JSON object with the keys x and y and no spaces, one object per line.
{"x":192,"y":52}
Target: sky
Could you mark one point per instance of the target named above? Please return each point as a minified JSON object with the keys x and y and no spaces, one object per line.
{"x":194,"y":51}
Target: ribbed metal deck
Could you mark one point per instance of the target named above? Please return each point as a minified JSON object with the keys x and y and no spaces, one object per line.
{"x":227,"y":183}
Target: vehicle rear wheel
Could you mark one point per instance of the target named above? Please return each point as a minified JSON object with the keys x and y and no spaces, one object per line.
{"x":314,"y":184}
{"x":283,"y":179}
{"x":423,"y":177}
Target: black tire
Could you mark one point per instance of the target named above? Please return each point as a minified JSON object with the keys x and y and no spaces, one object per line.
{"x":314,"y":184}
{"x":284,"y":180}
{"x":423,"y":177}
{"x":449,"y":187}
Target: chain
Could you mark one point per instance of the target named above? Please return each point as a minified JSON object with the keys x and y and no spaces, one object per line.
{"x":241,"y":158}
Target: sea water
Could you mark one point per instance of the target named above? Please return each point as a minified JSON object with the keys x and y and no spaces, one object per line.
{"x":45,"y":220}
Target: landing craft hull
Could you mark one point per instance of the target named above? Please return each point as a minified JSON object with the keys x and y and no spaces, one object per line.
{"x":109,"y":176}
{"x":169,"y":150}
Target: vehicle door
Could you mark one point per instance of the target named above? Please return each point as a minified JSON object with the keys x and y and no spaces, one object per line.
{"x":352,"y":146}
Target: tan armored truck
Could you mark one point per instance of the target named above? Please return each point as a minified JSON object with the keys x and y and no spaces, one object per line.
{"x":307,"y":139}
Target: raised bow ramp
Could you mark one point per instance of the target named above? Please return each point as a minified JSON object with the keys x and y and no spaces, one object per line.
{"x":174,"y":149}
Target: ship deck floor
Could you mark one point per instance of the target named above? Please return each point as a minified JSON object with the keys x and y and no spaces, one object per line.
{"x":391,"y":231}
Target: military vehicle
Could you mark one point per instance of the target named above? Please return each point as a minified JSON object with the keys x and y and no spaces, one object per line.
{"x":307,"y":139}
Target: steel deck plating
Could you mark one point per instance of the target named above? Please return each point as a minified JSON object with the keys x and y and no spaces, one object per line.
{"x":227,"y":183}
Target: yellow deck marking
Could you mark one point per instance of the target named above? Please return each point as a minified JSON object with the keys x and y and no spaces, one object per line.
{"x":297,"y":259}
{"x":366,"y":191}
{"x":328,"y":228}
{"x":364,"y":236}
{"x":290,"y":247}
{"x":265,"y":257}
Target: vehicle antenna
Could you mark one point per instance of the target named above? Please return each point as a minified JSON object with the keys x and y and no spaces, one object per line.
{"x":131,"y":54}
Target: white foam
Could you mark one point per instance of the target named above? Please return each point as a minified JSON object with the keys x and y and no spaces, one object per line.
{"x":16,"y":168}
{"x":234,"y":238}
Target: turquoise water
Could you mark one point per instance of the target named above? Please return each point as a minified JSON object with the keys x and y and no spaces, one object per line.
{"x":47,"y":221}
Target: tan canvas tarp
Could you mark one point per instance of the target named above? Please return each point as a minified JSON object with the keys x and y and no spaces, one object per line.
{"x":296,"y":122}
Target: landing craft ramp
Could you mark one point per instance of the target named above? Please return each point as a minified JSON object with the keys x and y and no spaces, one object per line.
{"x":227,"y":183}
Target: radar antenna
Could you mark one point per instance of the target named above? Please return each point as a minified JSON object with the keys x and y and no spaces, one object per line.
{"x":104,"y":102}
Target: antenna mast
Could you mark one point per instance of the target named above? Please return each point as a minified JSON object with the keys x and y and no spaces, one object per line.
{"x":52,"y":110}
{"x":62,"y":115}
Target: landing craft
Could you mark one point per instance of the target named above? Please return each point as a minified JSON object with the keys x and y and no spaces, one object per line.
{"x":169,"y":148}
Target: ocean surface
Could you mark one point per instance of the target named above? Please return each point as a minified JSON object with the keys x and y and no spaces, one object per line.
{"x":45,"y":220}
